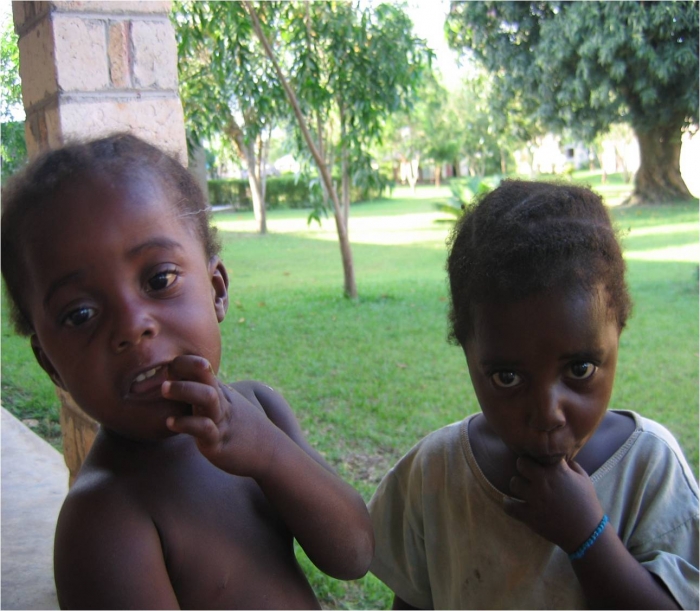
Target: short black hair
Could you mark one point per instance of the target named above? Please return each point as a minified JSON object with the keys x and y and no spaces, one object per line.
{"x":527,"y":237}
{"x":118,"y":156}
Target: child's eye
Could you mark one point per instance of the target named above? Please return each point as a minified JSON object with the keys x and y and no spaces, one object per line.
{"x":582,"y":371}
{"x":506,"y":379}
{"x":162,"y":280}
{"x":78,"y":317}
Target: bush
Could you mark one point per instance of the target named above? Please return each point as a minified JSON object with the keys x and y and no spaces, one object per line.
{"x":13,"y":149}
{"x":229,"y":192}
{"x":287,"y":191}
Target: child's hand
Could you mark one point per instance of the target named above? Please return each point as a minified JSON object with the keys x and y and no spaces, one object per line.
{"x":230,"y":431}
{"x":263,"y":440}
{"x":558,"y":502}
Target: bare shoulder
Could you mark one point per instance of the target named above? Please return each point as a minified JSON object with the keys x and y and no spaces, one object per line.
{"x":278,"y":411}
{"x":271,"y":402}
{"x":103,"y":531}
{"x":260,"y":394}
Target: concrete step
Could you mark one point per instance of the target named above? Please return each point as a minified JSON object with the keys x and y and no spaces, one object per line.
{"x":34,"y":484}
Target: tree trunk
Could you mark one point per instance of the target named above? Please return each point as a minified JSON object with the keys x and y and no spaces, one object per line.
{"x":350,"y":288}
{"x":414,"y":167}
{"x":255,"y":177}
{"x":438,"y":174}
{"x":344,"y":168}
{"x":659,"y":180}
{"x":256,"y":194}
{"x":247,"y":152}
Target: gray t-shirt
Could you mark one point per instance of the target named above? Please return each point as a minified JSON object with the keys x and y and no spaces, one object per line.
{"x":443,"y":540}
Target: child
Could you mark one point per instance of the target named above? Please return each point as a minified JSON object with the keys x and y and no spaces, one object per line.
{"x":194,"y":489}
{"x":544,"y":499}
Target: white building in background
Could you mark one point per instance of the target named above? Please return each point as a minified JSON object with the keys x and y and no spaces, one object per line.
{"x":690,"y":161}
{"x":286,"y":164}
{"x":551,"y":155}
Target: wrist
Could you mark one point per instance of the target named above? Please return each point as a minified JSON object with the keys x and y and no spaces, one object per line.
{"x":581,"y":550}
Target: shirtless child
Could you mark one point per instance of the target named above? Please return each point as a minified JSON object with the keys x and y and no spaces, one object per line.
{"x":194,"y":490}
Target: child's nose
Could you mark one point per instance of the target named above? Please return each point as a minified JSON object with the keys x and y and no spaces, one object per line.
{"x":547,"y":412}
{"x":132,"y":323}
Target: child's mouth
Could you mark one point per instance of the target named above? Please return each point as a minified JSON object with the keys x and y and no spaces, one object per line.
{"x":148,"y":374}
{"x":549,"y":459}
{"x":149,"y":381}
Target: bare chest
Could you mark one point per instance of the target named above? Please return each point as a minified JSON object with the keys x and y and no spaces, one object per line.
{"x":223,"y":545}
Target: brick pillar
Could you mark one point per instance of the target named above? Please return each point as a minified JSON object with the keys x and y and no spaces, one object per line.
{"x":90,"y":69}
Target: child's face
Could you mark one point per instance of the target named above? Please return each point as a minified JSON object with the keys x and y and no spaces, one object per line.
{"x":118,"y":286}
{"x":543,"y":370}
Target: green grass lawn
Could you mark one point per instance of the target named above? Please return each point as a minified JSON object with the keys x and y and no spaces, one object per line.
{"x":368,"y":379}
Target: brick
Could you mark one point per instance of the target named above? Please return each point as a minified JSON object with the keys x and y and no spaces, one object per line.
{"x":81,"y":53}
{"x":53,"y":126}
{"x":147,"y":7}
{"x":155,"y":55}
{"x":36,"y":65}
{"x":118,"y":53}
{"x":35,"y":134}
{"x":158,"y":120}
{"x":23,"y":12}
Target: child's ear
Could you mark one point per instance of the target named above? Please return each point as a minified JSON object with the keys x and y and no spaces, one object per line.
{"x":219,"y":283}
{"x":45,"y":363}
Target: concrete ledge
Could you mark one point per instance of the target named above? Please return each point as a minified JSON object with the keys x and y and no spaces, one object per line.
{"x":34,"y":484}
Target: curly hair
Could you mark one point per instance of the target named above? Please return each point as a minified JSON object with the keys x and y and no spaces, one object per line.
{"x":527,"y":237}
{"x":120,"y":156}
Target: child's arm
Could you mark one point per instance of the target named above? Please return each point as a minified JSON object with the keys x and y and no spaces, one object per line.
{"x":560,"y":504}
{"x":328,"y":517}
{"x":108,"y":554}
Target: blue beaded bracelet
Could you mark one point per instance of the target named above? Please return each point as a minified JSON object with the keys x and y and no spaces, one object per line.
{"x":590,"y":541}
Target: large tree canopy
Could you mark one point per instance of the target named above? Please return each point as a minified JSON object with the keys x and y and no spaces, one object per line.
{"x":588,"y":65}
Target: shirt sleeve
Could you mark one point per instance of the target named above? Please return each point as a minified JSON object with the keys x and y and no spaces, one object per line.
{"x":400,"y":557}
{"x":664,"y":534}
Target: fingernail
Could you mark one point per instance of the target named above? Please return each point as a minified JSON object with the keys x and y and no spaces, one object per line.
{"x":165,"y":387}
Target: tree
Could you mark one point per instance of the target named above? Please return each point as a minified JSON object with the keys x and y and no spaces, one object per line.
{"x":423,"y":132}
{"x":227,"y":86}
{"x":352,"y":67}
{"x":439,"y":140}
{"x":13,"y":148}
{"x":588,"y":65}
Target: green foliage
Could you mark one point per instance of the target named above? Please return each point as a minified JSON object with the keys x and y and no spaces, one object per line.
{"x":281,"y":192}
{"x":286,"y":191}
{"x":464,"y":190}
{"x":10,"y":84}
{"x":352,"y":67}
{"x":586,"y":65}
{"x":13,"y":147}
{"x":362,"y":61}
{"x":226,"y":83}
